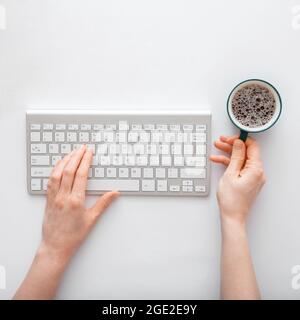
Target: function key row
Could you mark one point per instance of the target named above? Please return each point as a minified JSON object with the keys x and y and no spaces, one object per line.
{"x":121,"y":126}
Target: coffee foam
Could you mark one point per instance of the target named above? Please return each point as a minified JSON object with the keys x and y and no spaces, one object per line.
{"x":253,"y":105}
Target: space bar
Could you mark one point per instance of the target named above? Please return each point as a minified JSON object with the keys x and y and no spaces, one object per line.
{"x":107,"y":185}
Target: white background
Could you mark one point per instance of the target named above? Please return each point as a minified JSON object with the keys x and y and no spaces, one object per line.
{"x":158,"y":53}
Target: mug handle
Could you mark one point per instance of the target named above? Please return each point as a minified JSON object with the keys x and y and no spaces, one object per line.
{"x":243,"y":135}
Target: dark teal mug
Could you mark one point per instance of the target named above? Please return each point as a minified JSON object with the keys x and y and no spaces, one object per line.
{"x":245,"y":130}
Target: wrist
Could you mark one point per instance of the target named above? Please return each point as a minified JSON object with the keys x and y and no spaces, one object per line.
{"x":56,"y":259}
{"x":232,"y":226}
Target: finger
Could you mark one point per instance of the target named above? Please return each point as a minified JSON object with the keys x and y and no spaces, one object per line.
{"x":253,"y":150}
{"x":237,"y":157}
{"x":223,"y":146}
{"x":56,"y":175}
{"x":80,"y":181}
{"x":220,"y":159}
{"x":103,"y":202}
{"x":70,"y":170}
{"x":229,"y":139}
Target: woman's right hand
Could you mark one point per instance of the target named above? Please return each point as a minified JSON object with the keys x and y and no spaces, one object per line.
{"x":243,"y":178}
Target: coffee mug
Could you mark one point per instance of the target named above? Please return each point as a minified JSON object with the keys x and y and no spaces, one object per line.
{"x":245,"y":130}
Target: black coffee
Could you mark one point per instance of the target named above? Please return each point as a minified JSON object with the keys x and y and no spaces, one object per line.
{"x":253,"y":105}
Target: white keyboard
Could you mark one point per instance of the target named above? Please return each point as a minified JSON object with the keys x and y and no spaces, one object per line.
{"x":137,"y":152}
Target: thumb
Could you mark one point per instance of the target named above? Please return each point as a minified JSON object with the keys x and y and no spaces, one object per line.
{"x":237,"y":157}
{"x":103,"y":202}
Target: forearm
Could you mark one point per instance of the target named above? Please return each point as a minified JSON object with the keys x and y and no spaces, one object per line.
{"x":43,"y":278}
{"x":238,"y":279}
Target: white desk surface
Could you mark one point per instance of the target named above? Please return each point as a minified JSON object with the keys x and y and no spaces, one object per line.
{"x":159,"y":53}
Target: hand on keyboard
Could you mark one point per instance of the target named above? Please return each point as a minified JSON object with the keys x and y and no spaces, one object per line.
{"x":242,"y":179}
{"x":67,"y":221}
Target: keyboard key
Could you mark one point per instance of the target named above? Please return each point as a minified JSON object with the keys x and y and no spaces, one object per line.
{"x":73,"y":127}
{"x":162,"y":185}
{"x":111,"y":172}
{"x":175,"y":127}
{"x":111,"y":127}
{"x":113,"y":184}
{"x":123,"y":172}
{"x":45,"y":184}
{"x":166,"y":161}
{"x":200,"y":149}
{"x":187,"y":182}
{"x":148,"y":185}
{"x":123,"y":125}
{"x":195,"y":161}
{"x":176,"y":149}
{"x":108,"y":136}
{"x":162,"y":127}
{"x":35,"y":126}
{"x":149,"y":127}
{"x":188,"y":149}
{"x":164,"y":149}
{"x":35,"y":136}
{"x":40,"y":161}
{"x":99,"y":172}
{"x":60,"y":127}
{"x":173,"y":173}
{"x":187,"y":189}
{"x":188,"y":127}
{"x":192,"y":173}
{"x":102,"y":149}
{"x":178,"y":161}
{"x":129,"y":161}
{"x":38,"y":148}
{"x":104,"y":160}
{"x":53,"y":148}
{"x":117,"y":160}
{"x":160,"y":173}
{"x":151,"y":149}
{"x":198,"y":137}
{"x":138,"y":149}
{"x":142,"y":161}
{"x":36,"y":184}
{"x":84,"y":137}
{"x":59,"y":136}
{"x":200,"y":127}
{"x":65,"y":148}
{"x":174,"y":188}
{"x":200,"y":188}
{"x":133,"y":136}
{"x":148,"y":173}
{"x":98,"y":127}
{"x":72,"y":137}
{"x":96,"y":136}
{"x":136,"y":172}
{"x":47,"y":136}
{"x":154,"y":161}
{"x":86,"y":127}
{"x":47,"y":126}
{"x":41,"y":171}
{"x":137,"y":127}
